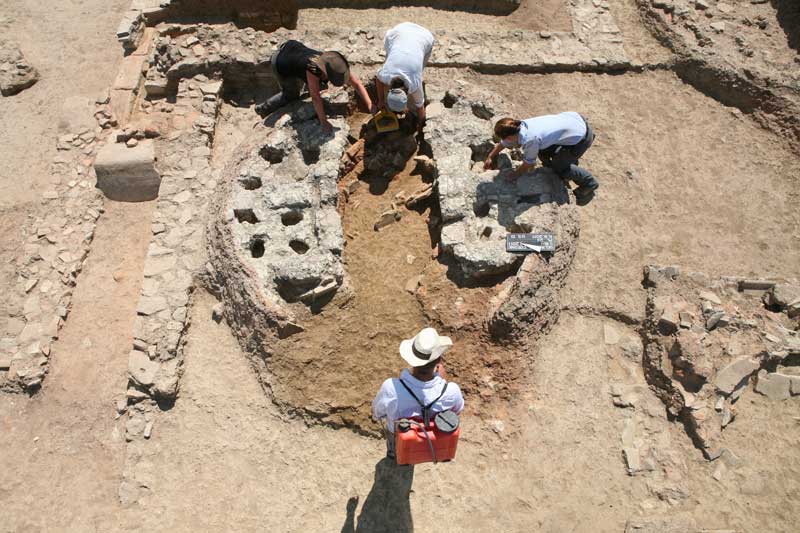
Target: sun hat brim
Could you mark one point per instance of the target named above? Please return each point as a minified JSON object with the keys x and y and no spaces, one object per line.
{"x":407,"y":351}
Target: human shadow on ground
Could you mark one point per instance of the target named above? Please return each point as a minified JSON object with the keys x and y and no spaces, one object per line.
{"x":387,"y":507}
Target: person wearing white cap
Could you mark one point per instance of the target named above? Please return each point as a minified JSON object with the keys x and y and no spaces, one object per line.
{"x":408,"y":47}
{"x":425,"y":380}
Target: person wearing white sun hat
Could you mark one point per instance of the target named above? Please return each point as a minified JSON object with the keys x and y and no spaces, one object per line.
{"x":425,"y":380}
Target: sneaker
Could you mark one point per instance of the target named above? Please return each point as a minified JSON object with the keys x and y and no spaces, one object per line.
{"x":263,"y":109}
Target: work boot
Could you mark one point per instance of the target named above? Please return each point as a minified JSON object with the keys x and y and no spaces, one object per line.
{"x":264,"y":108}
{"x":584,"y":195}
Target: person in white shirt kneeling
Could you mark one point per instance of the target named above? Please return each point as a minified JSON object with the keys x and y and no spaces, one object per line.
{"x":408,"y":47}
{"x":425,"y":380}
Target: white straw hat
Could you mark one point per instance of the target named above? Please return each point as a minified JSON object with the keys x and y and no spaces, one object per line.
{"x":425,"y":347}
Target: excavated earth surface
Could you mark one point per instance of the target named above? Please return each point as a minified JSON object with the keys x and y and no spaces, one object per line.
{"x":604,"y":393}
{"x":303,"y":286}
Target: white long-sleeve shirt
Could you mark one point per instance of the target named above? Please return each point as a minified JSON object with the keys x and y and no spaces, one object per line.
{"x":538,"y":133}
{"x":393,"y":401}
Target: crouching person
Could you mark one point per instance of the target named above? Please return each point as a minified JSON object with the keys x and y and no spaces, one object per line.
{"x":420,"y":388}
{"x":559,"y":141}
{"x":294,"y":64}
{"x":408,"y":47}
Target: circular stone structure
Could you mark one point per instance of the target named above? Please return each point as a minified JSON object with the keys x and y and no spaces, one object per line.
{"x":480,"y":208}
{"x":276,"y":251}
{"x":277,"y":237}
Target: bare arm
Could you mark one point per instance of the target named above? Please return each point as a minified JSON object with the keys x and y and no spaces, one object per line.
{"x":316,"y":99}
{"x":381,"y":89}
{"x":421,"y":112}
{"x":522,"y":169}
{"x":489,"y":163}
{"x":362,"y":92}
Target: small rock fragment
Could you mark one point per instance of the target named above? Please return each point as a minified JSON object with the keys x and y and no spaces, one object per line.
{"x":217,"y":312}
{"x":386,"y":218}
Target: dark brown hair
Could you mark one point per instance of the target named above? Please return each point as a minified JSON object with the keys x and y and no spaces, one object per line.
{"x":430,"y":367}
{"x":506,"y":127}
{"x":398,"y":83}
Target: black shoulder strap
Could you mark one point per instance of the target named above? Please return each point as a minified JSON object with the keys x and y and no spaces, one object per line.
{"x":425,"y":408}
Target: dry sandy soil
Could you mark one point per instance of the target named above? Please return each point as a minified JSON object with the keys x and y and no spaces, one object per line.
{"x":684,"y":180}
{"x":531,"y":15}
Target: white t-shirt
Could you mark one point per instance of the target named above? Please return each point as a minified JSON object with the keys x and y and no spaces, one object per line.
{"x":538,"y":133}
{"x":408,"y":47}
{"x":393,"y":401}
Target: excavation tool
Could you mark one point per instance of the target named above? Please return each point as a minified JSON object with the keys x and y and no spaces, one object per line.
{"x":530,"y":242}
{"x":386,"y":121}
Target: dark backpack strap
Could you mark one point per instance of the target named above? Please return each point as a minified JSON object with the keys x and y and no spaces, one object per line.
{"x":425,"y":408}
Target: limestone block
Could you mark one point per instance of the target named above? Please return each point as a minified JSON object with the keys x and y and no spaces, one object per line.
{"x":774,"y":386}
{"x":141,"y":369}
{"x":16,"y":74}
{"x":735,"y":375}
{"x":130,"y":73}
{"x":128,"y":174}
{"x":156,"y":87}
{"x":783,"y":296}
{"x":166,"y":381}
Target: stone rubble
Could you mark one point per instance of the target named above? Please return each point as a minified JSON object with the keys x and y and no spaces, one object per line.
{"x":700,"y":366}
{"x":56,"y":240}
{"x":242,"y":56}
{"x":176,"y":255}
{"x":176,"y":259}
{"x":479,"y":208}
{"x":16,"y":74}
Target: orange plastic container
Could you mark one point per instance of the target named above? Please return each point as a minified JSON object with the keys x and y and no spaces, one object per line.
{"x":411,"y":447}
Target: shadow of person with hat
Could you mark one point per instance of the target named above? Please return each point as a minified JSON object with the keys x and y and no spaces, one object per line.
{"x":387,"y":507}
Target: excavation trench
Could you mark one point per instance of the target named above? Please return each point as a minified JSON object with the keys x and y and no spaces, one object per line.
{"x":331,"y":370}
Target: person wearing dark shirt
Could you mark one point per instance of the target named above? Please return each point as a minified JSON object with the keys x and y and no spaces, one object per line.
{"x":295,"y":64}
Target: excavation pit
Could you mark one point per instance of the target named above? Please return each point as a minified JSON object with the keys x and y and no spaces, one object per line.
{"x":354,"y":256}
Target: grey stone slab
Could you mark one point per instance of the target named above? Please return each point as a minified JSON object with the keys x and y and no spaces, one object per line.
{"x":773,"y":385}
{"x":735,"y":375}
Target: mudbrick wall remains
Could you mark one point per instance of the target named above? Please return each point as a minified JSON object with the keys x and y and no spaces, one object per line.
{"x":274,"y":14}
{"x":594,"y":45}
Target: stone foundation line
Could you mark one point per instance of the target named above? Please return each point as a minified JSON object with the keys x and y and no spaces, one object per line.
{"x":594,"y":45}
{"x":56,"y":240}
